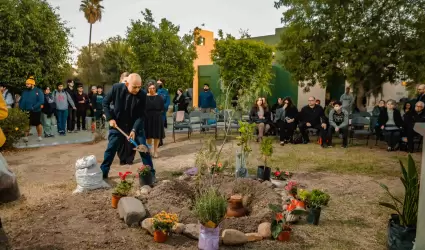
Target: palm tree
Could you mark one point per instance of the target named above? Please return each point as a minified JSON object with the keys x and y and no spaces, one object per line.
{"x":92,"y":12}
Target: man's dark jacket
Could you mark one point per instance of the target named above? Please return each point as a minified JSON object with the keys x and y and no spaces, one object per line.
{"x":315,"y":116}
{"x":117,"y":96}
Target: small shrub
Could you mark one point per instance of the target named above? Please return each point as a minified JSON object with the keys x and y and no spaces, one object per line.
{"x":14,"y":127}
{"x":164,"y":221}
{"x":210,"y":207}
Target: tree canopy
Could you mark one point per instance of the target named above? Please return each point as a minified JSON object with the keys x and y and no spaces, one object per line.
{"x":159,"y":52}
{"x":245,"y":66}
{"x":90,"y":67}
{"x":33,"y":40}
{"x":369,"y":42}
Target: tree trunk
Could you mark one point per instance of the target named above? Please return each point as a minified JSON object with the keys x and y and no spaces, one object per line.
{"x":359,"y":96}
{"x":90,"y":62}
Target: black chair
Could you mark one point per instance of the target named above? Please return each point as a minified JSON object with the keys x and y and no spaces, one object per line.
{"x":185,"y":124}
{"x":358,"y":125}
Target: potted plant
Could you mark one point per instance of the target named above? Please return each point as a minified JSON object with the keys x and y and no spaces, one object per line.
{"x":281,"y":175}
{"x":315,"y":201}
{"x":163,"y":222}
{"x":280,"y":228}
{"x":291,"y":187}
{"x":246,"y":135}
{"x":145,"y":175}
{"x":216,"y":168}
{"x":266,"y":149}
{"x":210,"y":209}
{"x":402,"y":225}
{"x":121,"y":189}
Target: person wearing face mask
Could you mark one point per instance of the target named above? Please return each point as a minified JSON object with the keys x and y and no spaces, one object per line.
{"x":72,"y":113}
{"x":154,"y":125}
{"x":31,"y":101}
{"x":163,"y":92}
{"x":391,"y":122}
{"x":338,"y":122}
{"x":129,"y":114}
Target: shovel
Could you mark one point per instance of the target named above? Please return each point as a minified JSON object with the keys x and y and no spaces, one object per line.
{"x":138,"y":148}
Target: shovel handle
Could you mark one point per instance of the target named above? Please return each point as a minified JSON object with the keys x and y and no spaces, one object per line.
{"x":123,"y":133}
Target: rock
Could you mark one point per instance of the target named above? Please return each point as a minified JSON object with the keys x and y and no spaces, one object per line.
{"x":264,"y":229}
{"x":145,"y":190}
{"x":268,"y":184}
{"x":9,"y":190}
{"x":147,"y":224}
{"x":179,"y":228}
{"x":233,"y":237}
{"x":166,"y":181}
{"x":254,"y":237}
{"x":192,"y":231}
{"x":184,"y":177}
{"x":278,"y":183}
{"x":131,"y":210}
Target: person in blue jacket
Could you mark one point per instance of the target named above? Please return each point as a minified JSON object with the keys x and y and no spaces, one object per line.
{"x":31,"y":101}
{"x":206,"y":100}
{"x":163,"y":92}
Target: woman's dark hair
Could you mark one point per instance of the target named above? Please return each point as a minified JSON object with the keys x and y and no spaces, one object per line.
{"x":405,"y":106}
{"x":179,"y":89}
{"x":45,"y":87}
{"x":151,"y":84}
{"x":290,"y":102}
{"x":59,"y":84}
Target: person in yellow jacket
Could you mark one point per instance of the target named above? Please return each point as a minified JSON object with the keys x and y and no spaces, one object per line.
{"x":3,"y":115}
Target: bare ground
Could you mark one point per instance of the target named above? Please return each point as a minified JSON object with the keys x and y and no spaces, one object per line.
{"x":50,"y":217}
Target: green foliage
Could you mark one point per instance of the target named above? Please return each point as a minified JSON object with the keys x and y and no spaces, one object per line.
{"x":92,"y":10}
{"x":245,"y":65}
{"x":246,"y":131}
{"x":90,"y":68}
{"x":14,"y":127}
{"x":279,"y":222}
{"x":408,"y":209}
{"x":161,"y":53}
{"x":266,"y":148}
{"x":210,"y":206}
{"x":123,"y":188}
{"x":33,"y":40}
{"x":318,"y":198}
{"x":367,"y":42}
{"x":116,"y":59}
{"x":303,"y":195}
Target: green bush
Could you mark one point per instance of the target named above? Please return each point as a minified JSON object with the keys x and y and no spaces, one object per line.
{"x":210,"y":206}
{"x":14,"y":127}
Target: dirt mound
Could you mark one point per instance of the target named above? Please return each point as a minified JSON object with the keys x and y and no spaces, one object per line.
{"x":257,"y":197}
{"x":178,"y":197}
{"x":172,"y":196}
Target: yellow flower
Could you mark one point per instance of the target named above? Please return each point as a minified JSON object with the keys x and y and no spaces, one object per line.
{"x":16,"y":128}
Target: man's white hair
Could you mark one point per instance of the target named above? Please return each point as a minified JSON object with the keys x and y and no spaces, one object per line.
{"x":421,"y":103}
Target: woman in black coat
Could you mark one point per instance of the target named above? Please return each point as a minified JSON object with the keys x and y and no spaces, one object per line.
{"x":290,"y":122}
{"x":391,"y":122}
{"x":180,"y":101}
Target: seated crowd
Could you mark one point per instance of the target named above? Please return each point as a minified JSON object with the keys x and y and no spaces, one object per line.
{"x":283,"y":119}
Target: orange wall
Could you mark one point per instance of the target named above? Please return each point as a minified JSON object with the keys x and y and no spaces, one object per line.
{"x":204,"y":58}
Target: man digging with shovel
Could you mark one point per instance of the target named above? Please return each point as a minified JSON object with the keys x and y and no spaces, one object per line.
{"x":126,"y":117}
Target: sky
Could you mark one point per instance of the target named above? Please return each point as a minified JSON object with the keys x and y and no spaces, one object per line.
{"x":259,"y":17}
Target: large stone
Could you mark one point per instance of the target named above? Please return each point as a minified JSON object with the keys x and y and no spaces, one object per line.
{"x":131,"y":210}
{"x":233,"y":237}
{"x":192,"y":231}
{"x":178,"y":228}
{"x":264,"y":229}
{"x":184,"y":177}
{"x":278,"y":183}
{"x":253,"y":237}
{"x":145,"y":190}
{"x":147,"y":224}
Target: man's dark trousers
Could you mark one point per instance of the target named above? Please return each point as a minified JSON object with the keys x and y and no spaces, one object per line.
{"x":320,"y":131}
{"x":115,"y":138}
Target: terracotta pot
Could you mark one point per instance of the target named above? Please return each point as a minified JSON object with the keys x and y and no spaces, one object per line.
{"x":284,"y":236}
{"x":159,"y":236}
{"x":115,"y":200}
{"x":235,"y":207}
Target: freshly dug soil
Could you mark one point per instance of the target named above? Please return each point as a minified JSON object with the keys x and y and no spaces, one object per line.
{"x":174,"y":197}
{"x":178,"y":197}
